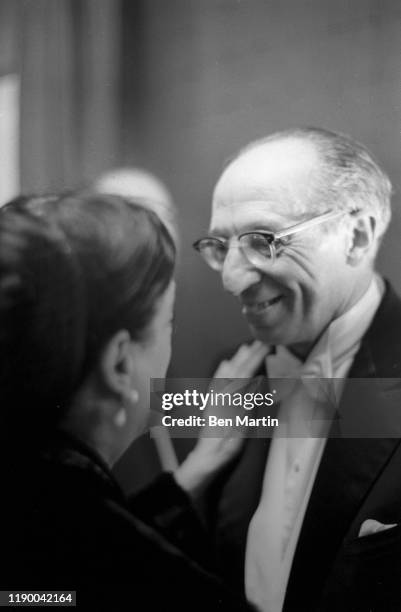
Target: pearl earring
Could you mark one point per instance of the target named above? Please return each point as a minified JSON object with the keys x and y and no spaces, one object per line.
{"x":121,"y":418}
{"x":134,"y":396}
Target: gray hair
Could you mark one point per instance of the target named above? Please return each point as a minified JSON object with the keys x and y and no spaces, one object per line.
{"x":349,"y":177}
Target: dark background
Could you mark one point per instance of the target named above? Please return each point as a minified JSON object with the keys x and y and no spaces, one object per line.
{"x":178,"y":86}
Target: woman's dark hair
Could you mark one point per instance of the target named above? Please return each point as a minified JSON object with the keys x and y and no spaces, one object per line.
{"x":74,"y":270}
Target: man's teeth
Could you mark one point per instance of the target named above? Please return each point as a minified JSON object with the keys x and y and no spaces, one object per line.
{"x":260,"y":305}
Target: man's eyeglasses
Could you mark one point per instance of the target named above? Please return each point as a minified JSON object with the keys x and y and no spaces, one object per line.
{"x":258,"y":246}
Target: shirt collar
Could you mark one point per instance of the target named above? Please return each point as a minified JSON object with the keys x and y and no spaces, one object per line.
{"x":338,"y":343}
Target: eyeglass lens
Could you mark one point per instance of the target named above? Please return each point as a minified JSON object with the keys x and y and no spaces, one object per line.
{"x":256,"y":248}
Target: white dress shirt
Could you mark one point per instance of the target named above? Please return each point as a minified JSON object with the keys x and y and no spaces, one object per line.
{"x":296,"y":450}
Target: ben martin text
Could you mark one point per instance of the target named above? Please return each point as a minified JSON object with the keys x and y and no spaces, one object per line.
{"x":214,"y":421}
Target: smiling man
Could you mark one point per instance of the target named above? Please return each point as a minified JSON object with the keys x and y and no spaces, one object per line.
{"x":297,"y":220}
{"x":325,"y":266}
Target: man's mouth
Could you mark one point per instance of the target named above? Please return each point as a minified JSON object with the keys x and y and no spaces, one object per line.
{"x":256,"y":308}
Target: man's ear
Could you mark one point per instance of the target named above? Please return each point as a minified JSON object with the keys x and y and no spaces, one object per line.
{"x":116,"y":364}
{"x":362,"y":239}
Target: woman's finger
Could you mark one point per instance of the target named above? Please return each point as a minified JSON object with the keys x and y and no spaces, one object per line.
{"x":244,"y":362}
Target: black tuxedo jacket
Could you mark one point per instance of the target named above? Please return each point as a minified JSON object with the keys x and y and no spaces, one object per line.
{"x":358,"y":479}
{"x":66,"y":524}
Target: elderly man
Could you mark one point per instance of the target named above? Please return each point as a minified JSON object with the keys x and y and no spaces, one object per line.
{"x":311,"y":524}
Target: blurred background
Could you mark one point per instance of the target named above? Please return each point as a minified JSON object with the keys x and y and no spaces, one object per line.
{"x":177,"y":87}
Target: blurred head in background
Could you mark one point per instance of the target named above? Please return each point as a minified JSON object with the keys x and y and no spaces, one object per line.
{"x":86,"y":299}
{"x":144,"y":188}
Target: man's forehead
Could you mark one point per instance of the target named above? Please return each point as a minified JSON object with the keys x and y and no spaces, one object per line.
{"x":283,"y":165}
{"x":247,"y":215}
{"x":267,"y":186}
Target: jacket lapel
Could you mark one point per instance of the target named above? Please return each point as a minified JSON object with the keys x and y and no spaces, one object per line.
{"x":238,"y":501}
{"x":349,"y":467}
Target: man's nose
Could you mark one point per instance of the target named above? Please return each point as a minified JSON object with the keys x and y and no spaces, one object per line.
{"x":238,"y":273}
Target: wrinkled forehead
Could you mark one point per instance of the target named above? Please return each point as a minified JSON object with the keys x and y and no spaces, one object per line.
{"x":270,"y":183}
{"x":248,"y":214}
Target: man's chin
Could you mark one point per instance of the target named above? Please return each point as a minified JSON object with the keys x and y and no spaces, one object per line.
{"x":268,"y":336}
{"x":281,"y":335}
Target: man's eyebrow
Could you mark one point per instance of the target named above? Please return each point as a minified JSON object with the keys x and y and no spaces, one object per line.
{"x":261,"y":226}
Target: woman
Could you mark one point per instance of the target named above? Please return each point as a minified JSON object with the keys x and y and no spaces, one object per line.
{"x":86,"y":302}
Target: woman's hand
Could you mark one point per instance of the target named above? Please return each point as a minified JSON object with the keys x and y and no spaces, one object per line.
{"x":244,"y":363}
{"x":211,"y":454}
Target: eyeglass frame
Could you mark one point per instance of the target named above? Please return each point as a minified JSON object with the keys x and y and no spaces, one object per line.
{"x":275,"y":236}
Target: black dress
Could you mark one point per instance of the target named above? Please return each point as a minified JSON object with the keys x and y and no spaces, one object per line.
{"x":66,"y":525}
